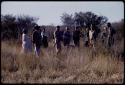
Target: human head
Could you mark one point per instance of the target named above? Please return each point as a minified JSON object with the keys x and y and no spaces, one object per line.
{"x":91,"y":26}
{"x":109,"y":24}
{"x":25,"y":31}
{"x":86,"y":29}
{"x":77,"y":28}
{"x":67,"y":28}
{"x":44,"y":29}
{"x":104,"y":27}
{"x":57,"y":28}
{"x":37,"y":27}
{"x":40,"y":30}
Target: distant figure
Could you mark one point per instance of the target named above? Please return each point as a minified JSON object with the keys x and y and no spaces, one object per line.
{"x":103,"y":35}
{"x":26,"y":42}
{"x":44,"y":38}
{"x":72,"y":41}
{"x":91,"y":31}
{"x":58,"y":39}
{"x":62,"y":32}
{"x":86,"y":37}
{"x":96,"y":32}
{"x":67,"y":37}
{"x":76,"y":36}
{"x":37,"y":40}
{"x":110,"y":34}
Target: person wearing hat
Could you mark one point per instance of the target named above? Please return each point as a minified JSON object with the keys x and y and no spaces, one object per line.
{"x":26,"y":42}
{"x":37,"y":40}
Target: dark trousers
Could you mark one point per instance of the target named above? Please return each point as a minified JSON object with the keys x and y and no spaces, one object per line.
{"x":66,"y":42}
{"x":76,"y":42}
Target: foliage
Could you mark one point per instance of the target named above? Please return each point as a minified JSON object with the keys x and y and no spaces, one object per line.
{"x":83,"y":19}
{"x":12,"y":25}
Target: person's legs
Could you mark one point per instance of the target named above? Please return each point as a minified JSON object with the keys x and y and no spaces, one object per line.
{"x":30,"y":47}
{"x":78,"y":43}
{"x":58,"y":47}
{"x":75,"y":42}
{"x":45,"y":42}
{"x":24,"y":48}
{"x":89,"y":42}
{"x":37,"y":50}
{"x":65,"y":42}
{"x":109,"y":42}
{"x":112,"y":40}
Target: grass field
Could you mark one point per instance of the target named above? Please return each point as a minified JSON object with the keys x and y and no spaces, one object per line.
{"x":73,"y":65}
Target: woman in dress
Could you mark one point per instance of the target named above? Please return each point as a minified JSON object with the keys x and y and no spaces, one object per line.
{"x":26,"y":42}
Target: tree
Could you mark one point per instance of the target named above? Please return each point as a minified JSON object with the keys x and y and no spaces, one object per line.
{"x":8,"y":29}
{"x":80,"y":19}
{"x":25,"y":22}
{"x":67,"y":19}
{"x":87,"y":18}
{"x":83,"y":19}
{"x":119,"y":27}
{"x":12,"y":26}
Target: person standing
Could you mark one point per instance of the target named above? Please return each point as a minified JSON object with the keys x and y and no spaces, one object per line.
{"x":44,"y":38}
{"x":58,"y":38}
{"x":110,"y":34}
{"x":103,"y":35}
{"x":91,"y":31}
{"x":86,"y":37}
{"x":76,"y":36}
{"x":37,"y":40}
{"x":67,"y":37}
{"x":26,"y":42}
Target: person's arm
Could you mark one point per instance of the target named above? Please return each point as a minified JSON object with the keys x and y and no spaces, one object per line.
{"x":22,"y":37}
{"x":54,"y":35}
{"x":54,"y":38}
{"x":34,"y":37}
{"x":42,"y":34}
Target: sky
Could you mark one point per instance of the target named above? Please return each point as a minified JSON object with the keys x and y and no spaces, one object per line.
{"x":50,"y":12}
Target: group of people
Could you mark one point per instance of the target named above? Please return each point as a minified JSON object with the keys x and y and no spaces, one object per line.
{"x":65,"y":37}
{"x":39,"y":38}
{"x":91,"y":34}
{"x":108,"y":35}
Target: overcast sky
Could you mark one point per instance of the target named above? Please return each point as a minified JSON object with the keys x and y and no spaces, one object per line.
{"x":50,"y":12}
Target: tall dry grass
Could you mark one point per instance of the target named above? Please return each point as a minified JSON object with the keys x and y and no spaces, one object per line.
{"x":73,"y":65}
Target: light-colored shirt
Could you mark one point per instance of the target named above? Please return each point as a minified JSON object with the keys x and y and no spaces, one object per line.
{"x":44,"y":34}
{"x":26,"y":43}
{"x":91,"y":34}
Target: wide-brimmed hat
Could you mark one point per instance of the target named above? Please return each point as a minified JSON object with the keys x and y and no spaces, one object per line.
{"x":37,"y":27}
{"x":109,"y":24}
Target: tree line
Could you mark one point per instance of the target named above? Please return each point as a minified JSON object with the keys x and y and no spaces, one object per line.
{"x":12,"y":26}
{"x":83,"y":19}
